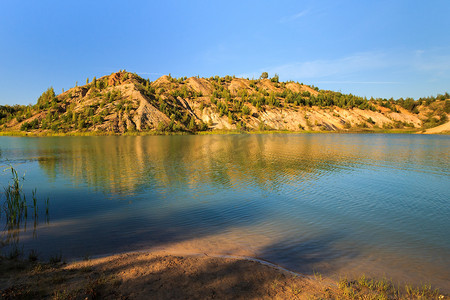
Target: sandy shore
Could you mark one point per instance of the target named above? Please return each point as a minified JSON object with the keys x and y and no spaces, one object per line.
{"x":158,"y":275}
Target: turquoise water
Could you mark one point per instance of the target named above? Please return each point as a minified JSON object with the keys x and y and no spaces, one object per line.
{"x":330,"y":203}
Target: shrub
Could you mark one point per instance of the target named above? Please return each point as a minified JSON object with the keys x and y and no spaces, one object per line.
{"x":203,"y":126}
{"x":447,"y":106}
{"x":81,"y":124}
{"x":275,"y":78}
{"x":245,"y":110}
{"x":55,"y":127}
{"x":30,"y":125}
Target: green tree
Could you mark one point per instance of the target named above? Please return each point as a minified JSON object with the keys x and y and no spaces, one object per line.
{"x":81,"y":124}
{"x":47,"y":97}
{"x":30,"y":125}
{"x":245,"y":110}
{"x":100,"y":84}
{"x":275,"y":78}
{"x":264,"y":75}
{"x":192,"y":126}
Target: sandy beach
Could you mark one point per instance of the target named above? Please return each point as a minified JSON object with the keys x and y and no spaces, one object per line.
{"x":159,"y":275}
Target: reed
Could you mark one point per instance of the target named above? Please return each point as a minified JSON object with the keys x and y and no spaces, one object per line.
{"x":56,"y":258}
{"x":14,"y":204}
{"x":33,"y":255}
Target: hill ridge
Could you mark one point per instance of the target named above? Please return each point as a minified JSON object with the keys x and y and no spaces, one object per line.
{"x":124,"y":102}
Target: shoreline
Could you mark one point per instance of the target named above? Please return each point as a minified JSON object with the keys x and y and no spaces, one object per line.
{"x":165,"y":275}
{"x":192,"y":254}
{"x":216,"y":132}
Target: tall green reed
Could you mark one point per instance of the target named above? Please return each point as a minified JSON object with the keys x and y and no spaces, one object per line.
{"x":15,"y":205}
{"x":15,"y":208}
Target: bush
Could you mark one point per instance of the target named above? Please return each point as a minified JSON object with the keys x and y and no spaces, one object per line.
{"x":98,"y":119}
{"x":81,"y":124}
{"x":447,"y":106}
{"x":30,"y":125}
{"x":245,"y":110}
{"x":275,"y":78}
{"x":192,"y":125}
{"x":161,"y":127}
{"x":203,"y":126}
{"x":55,"y":127}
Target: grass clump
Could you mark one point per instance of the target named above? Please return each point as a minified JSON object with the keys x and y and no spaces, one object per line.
{"x":33,"y":255}
{"x":54,"y":259}
{"x":366,"y":288}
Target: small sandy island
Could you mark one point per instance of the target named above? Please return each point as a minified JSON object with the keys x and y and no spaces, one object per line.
{"x":158,"y":275}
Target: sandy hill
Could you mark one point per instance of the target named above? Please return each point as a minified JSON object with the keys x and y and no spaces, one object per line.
{"x":444,"y":128}
{"x":123,"y":102}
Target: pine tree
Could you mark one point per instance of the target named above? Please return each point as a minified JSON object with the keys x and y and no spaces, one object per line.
{"x":192,"y":124}
{"x":47,"y":96}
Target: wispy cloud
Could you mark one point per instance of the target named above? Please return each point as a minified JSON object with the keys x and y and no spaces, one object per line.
{"x":388,"y":73}
{"x":294,"y":17}
{"x":325,"y":68}
{"x":431,"y":61}
{"x":149,"y":73}
{"x":358,"y":82}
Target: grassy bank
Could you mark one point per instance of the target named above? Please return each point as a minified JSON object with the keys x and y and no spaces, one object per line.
{"x":209,"y":132}
{"x":88,"y":133}
{"x":163,"y":276}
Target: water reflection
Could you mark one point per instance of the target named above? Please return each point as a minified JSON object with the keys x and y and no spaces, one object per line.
{"x":124,"y":164}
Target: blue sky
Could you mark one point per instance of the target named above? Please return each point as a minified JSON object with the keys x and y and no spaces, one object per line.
{"x":368,"y":48}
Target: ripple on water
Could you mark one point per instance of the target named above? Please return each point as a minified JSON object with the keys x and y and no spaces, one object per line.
{"x":331,"y":203}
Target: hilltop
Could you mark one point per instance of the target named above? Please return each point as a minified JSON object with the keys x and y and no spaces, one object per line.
{"x":124,"y":102}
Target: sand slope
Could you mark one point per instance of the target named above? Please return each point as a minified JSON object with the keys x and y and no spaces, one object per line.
{"x":444,"y":128}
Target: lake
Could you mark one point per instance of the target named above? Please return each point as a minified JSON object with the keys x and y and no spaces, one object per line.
{"x":336,"y":204}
